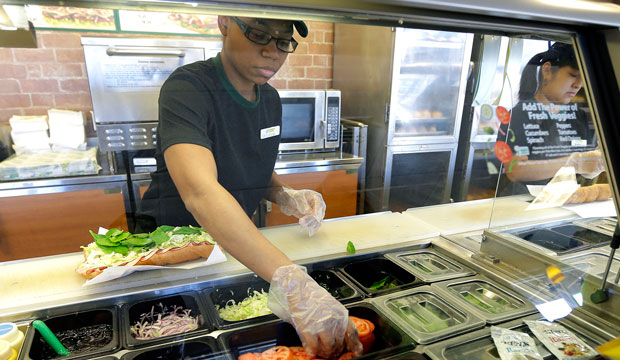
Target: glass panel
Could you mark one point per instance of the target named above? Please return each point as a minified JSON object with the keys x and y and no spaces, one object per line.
{"x":483,"y":173}
{"x":419,"y":179}
{"x":432,"y":112}
{"x":426,"y":88}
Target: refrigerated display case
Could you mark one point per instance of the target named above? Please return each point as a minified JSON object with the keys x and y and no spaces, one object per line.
{"x":414,"y":113}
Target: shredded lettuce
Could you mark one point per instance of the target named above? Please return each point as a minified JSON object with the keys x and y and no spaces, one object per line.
{"x":253,"y":306}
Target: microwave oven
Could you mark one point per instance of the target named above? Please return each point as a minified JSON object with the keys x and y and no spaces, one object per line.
{"x":310,"y":120}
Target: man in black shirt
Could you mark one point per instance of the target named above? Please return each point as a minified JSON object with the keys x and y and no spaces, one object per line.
{"x":217,"y":141}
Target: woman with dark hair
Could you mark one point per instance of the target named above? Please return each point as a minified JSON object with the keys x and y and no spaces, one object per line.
{"x":547,"y":130}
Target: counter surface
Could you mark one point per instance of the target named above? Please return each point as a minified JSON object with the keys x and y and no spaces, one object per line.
{"x":475,"y":215}
{"x":51,"y":281}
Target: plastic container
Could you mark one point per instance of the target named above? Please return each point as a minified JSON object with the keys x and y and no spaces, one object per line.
{"x":204,"y":348}
{"x":337,"y":286}
{"x":10,"y":333}
{"x":552,"y":240}
{"x":479,"y":345}
{"x":490,"y":301}
{"x":6,"y":351}
{"x":220,"y":296}
{"x":426,"y":315}
{"x":430,"y":266}
{"x":368,"y":272}
{"x":93,"y":333}
{"x":594,"y":263}
{"x":132,"y":313}
{"x":389,"y":338}
{"x":582,"y":234}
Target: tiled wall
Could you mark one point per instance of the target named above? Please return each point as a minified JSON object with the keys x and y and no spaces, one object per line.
{"x":54,"y":75}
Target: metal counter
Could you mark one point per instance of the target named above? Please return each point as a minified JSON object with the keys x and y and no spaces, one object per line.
{"x":285,"y":164}
{"x":311,"y":162}
{"x":59,"y":185}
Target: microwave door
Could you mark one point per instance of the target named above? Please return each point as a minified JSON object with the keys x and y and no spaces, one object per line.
{"x":302,"y":115}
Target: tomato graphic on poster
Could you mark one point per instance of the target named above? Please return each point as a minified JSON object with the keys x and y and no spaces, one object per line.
{"x":503,"y":115}
{"x":503,"y":152}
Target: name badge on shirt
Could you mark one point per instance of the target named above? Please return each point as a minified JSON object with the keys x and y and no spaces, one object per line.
{"x":269,"y":132}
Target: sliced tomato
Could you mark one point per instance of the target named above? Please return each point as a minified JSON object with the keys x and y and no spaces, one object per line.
{"x":503,"y":115}
{"x":371,"y":325}
{"x":347,"y":356}
{"x":367,"y":342}
{"x":249,"y":356}
{"x":503,"y":152}
{"x":299,"y":353}
{"x":363,"y":328}
{"x":277,"y":353}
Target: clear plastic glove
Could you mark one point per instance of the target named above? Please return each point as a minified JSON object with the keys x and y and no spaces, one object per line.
{"x":589,"y":163}
{"x":322,"y":322}
{"x":307,"y":205}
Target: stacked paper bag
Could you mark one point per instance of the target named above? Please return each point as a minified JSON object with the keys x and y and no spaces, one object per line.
{"x":66,"y":130}
{"x":29,"y":134}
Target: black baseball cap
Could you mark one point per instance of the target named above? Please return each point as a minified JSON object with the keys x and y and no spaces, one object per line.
{"x":301,"y":27}
{"x":558,"y":54}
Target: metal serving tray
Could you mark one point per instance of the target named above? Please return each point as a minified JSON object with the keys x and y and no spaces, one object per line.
{"x":366,"y":272}
{"x":429,"y":265}
{"x":479,"y":345}
{"x":389,"y":338}
{"x":204,"y":348}
{"x":593,"y":263}
{"x":35,"y":349}
{"x":237,"y":292}
{"x":563,"y":237}
{"x":426,"y":315}
{"x":490,"y":301}
{"x":132,"y":312}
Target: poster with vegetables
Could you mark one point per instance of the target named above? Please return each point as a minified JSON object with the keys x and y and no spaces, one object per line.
{"x":64,"y":17}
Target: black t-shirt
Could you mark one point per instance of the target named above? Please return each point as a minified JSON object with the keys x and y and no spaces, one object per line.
{"x":545,"y":132}
{"x":540,"y":133}
{"x":198,"y":105}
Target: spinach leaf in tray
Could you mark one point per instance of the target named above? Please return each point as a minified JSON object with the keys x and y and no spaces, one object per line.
{"x":383,"y":284}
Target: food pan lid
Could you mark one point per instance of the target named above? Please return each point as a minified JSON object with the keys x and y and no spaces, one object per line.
{"x":487,"y":299}
{"x":444,"y":315}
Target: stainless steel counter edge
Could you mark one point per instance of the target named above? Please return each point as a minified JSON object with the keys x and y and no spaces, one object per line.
{"x":56,"y":185}
{"x":76,"y":180}
{"x":109,"y":292}
{"x":288,"y":161}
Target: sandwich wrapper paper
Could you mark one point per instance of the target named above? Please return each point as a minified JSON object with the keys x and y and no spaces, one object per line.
{"x":557,"y":191}
{"x":115,"y":272}
{"x":560,"y":188}
{"x":605,"y":208}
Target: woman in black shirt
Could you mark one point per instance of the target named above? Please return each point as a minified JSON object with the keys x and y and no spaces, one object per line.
{"x":547,"y":130}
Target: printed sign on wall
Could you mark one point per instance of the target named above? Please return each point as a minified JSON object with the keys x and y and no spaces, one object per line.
{"x":173,"y":23}
{"x":71,"y":18}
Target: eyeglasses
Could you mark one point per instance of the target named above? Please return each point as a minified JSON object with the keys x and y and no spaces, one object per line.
{"x":263,"y":38}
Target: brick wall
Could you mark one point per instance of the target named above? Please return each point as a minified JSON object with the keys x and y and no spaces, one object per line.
{"x":54,"y":75}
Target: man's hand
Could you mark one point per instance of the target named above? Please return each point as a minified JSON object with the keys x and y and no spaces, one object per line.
{"x":307,"y":205}
{"x":322,"y":323}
